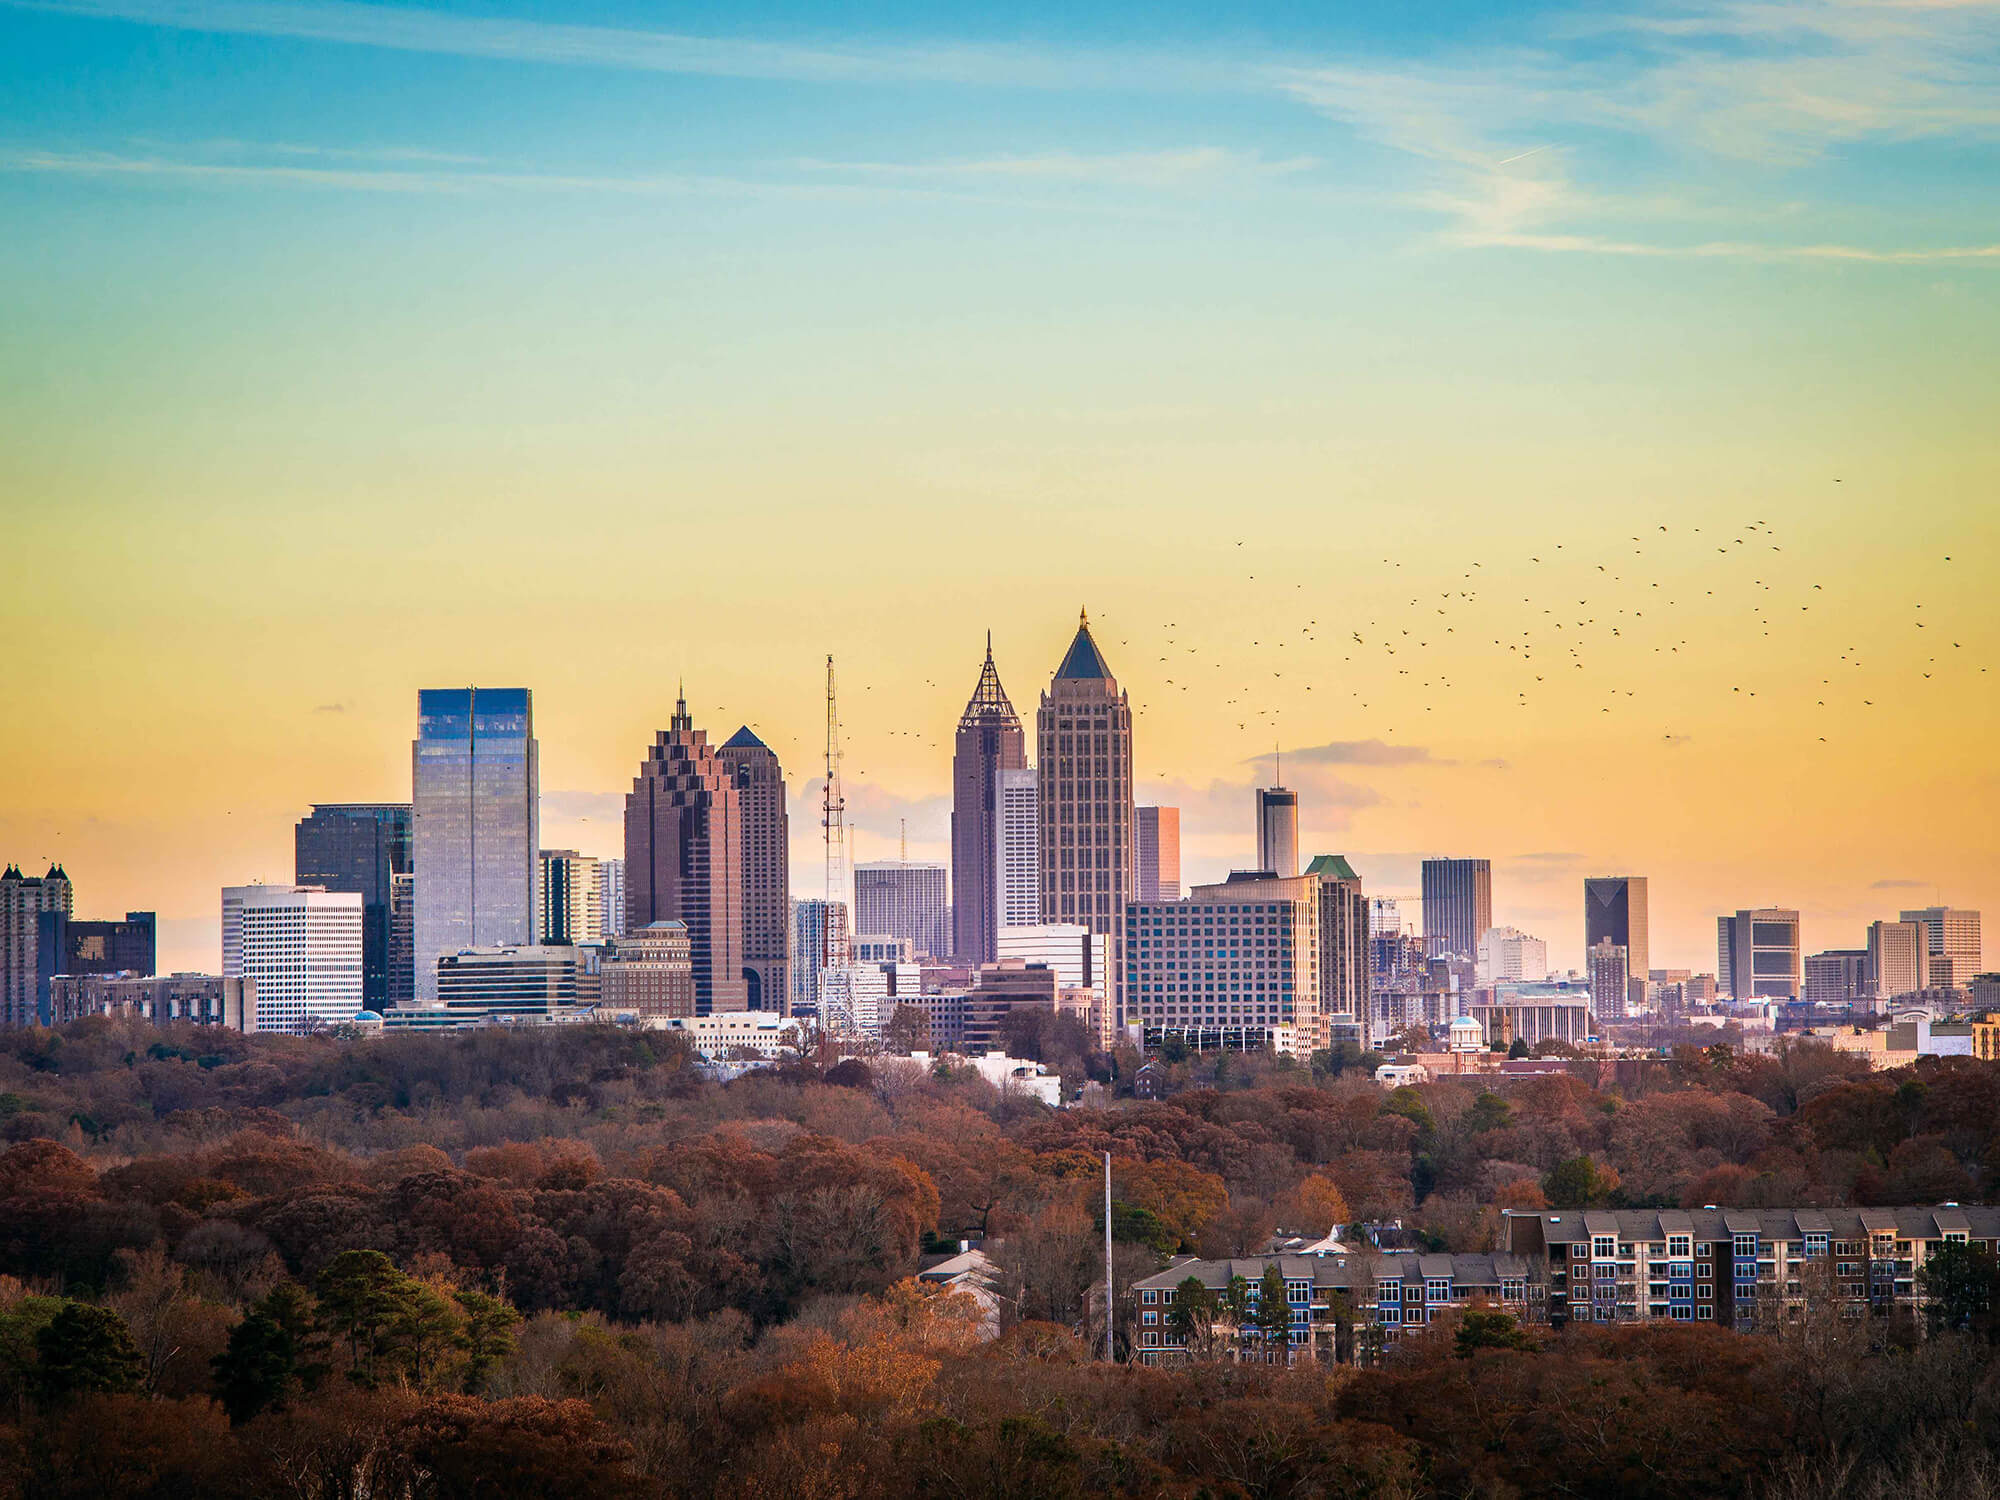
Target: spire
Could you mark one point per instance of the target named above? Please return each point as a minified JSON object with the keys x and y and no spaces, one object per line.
{"x":680,"y":719}
{"x":989,"y":699}
{"x":1083,"y":660}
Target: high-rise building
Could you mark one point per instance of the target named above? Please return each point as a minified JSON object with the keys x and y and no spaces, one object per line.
{"x":904,"y":899}
{"x":611,"y":896}
{"x":1614,"y":908}
{"x":1385,"y":917}
{"x":1156,"y":853}
{"x":1017,"y":842}
{"x":1345,"y":970}
{"x":1898,"y":958}
{"x":1458,"y":905}
{"x":476,"y":824}
{"x":1234,"y":965}
{"x":1952,"y":938}
{"x":1083,"y":760}
{"x":819,"y":942}
{"x":508,"y":982}
{"x":683,"y":857}
{"x":570,"y":913}
{"x":358,"y":847}
{"x":766,"y":868}
{"x":25,"y":900}
{"x":402,"y":962}
{"x":989,"y":748}
{"x":1757,"y":954}
{"x":1610,"y":970}
{"x":649,"y":972}
{"x":1508,"y":955}
{"x":1278,"y":831}
{"x":301,"y":945}
{"x":1080,"y":957}
{"x":1839,"y":976}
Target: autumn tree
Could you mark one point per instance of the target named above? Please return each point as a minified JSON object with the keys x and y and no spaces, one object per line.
{"x":85,"y":1349}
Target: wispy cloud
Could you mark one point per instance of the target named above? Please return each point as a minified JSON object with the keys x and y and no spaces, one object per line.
{"x":1900,"y":885}
{"x":1138,"y":168}
{"x":331,"y":708}
{"x":1358,"y":753}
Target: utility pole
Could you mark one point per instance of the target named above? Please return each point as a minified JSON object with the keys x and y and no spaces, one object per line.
{"x":1110,"y":1322}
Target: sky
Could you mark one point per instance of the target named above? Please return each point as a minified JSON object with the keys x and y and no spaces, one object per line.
{"x":1568,"y":431}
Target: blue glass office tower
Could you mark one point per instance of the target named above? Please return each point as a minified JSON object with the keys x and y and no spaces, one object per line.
{"x":360,"y":847}
{"x":477,"y":832}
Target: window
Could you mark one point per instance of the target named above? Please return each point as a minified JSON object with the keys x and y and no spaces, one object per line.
{"x":1677,"y":1245}
{"x":1704,"y":1250}
{"x":1816,"y":1247}
{"x":1149,"y":1319}
{"x":1437,"y":1291}
{"x":1704,"y":1314}
{"x":1604,"y":1247}
{"x":1512,"y":1291}
{"x":1148,"y":1298}
{"x":1746,"y":1245}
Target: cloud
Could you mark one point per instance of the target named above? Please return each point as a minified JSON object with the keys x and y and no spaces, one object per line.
{"x":579,"y":806}
{"x":331,"y":708}
{"x":1900,"y":885}
{"x":1560,"y":858}
{"x":1134,"y":168}
{"x":1359,"y":753}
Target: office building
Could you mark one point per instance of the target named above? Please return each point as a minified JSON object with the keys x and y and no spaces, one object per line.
{"x":1278,"y":831}
{"x":402,"y":964}
{"x":301,"y":947}
{"x":203,"y":999}
{"x":856,"y":999}
{"x":1952,"y":938}
{"x":1346,"y":989}
{"x":1898,"y":958}
{"x":476,"y":823}
{"x":508,"y":982}
{"x":766,"y":864}
{"x":878,"y":948}
{"x":904,"y":899}
{"x":1458,"y":905}
{"x":648,"y":973}
{"x":1234,"y":965}
{"x":684,"y":854}
{"x":1509,"y":955}
{"x":1083,"y":757}
{"x":24,"y":901}
{"x":1017,"y":843}
{"x":1840,"y":977}
{"x":1079,"y":957}
{"x":1678,"y":991}
{"x":1530,"y":1013}
{"x":570,"y":893}
{"x":1385,"y":917}
{"x":1614,"y":910}
{"x":1757,"y":954}
{"x":988,"y":749}
{"x":978,"y":1025}
{"x":359,"y":847}
{"x":1610,"y":971}
{"x":1156,"y":853}
{"x":819,"y":941}
{"x":72,"y":945}
{"x":611,"y":896}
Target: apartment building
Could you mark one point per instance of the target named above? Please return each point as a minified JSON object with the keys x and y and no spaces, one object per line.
{"x":1731,"y":1265}
{"x":1345,"y":1308}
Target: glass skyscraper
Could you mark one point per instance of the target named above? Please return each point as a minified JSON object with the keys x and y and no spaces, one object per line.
{"x":359,"y":847}
{"x":478,"y":829}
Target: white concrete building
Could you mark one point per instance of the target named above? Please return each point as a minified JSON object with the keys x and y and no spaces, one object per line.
{"x":1017,"y":849}
{"x":301,"y":944}
{"x":1079,"y":956}
{"x":1509,"y":955}
{"x":731,"y":1034}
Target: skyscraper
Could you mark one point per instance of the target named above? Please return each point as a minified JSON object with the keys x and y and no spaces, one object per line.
{"x":24,"y":902}
{"x":1083,"y":739}
{"x":1610,"y":972}
{"x":358,"y":847}
{"x":1017,"y":842}
{"x":1839,"y":976}
{"x":903,"y":900}
{"x":989,"y":747}
{"x":1156,"y":853}
{"x":301,"y":946}
{"x":1345,"y":985}
{"x":1898,"y":958}
{"x":570,"y":910}
{"x":1757,"y":954}
{"x":1234,"y":965}
{"x":767,"y":870}
{"x":819,"y":942}
{"x":1952,"y":936}
{"x":1278,"y":831}
{"x":1458,"y":905}
{"x":1614,"y":908}
{"x":611,"y":896}
{"x":684,"y":857}
{"x":476,"y":824}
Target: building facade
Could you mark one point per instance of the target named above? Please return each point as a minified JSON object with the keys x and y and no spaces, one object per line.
{"x":1156,"y":853}
{"x":203,"y":999}
{"x":1839,"y":976}
{"x":359,"y":847}
{"x":1614,"y":908}
{"x":510,"y":982}
{"x":1083,"y":754}
{"x":1898,"y":958}
{"x":1952,"y":938}
{"x":1017,"y":846}
{"x":820,"y":940}
{"x":1278,"y":831}
{"x":475,"y":823}
{"x":767,"y":870}
{"x":1610,"y":970}
{"x":1081,"y":958}
{"x":1239,"y":959}
{"x":649,"y":973}
{"x":1757,"y":954}
{"x":899,"y":898}
{"x":1509,"y":955}
{"x":25,"y":900}
{"x":570,"y":895}
{"x":1458,"y":905}
{"x":989,"y":747}
{"x":300,"y":946}
{"x":75,"y":946}
{"x":683,"y":857}
{"x":1346,"y":989}
{"x":611,"y":896}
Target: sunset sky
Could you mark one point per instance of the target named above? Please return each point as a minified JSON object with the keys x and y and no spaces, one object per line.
{"x":1642,"y":364}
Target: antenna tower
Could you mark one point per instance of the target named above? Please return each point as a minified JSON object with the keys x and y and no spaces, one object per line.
{"x":833,"y":806}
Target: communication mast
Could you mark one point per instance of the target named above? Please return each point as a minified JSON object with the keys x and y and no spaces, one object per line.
{"x":833,"y":806}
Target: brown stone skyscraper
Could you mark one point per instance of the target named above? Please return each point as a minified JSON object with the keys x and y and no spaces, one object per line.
{"x":767,"y":870}
{"x":1083,"y":744}
{"x":684,"y":857}
{"x":989,"y":741}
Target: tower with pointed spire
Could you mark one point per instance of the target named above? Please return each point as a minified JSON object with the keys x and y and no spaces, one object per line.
{"x":1083,"y":751}
{"x":31,"y":909}
{"x":990,"y":742}
{"x":684,"y":856}
{"x":766,"y":868}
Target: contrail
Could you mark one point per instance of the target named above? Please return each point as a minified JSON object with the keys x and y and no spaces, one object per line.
{"x":1519,"y":156}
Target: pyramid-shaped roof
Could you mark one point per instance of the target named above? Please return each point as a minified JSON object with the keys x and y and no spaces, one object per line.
{"x":989,"y":700}
{"x":743,"y":739}
{"x":1332,"y":867}
{"x":1084,"y":662}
